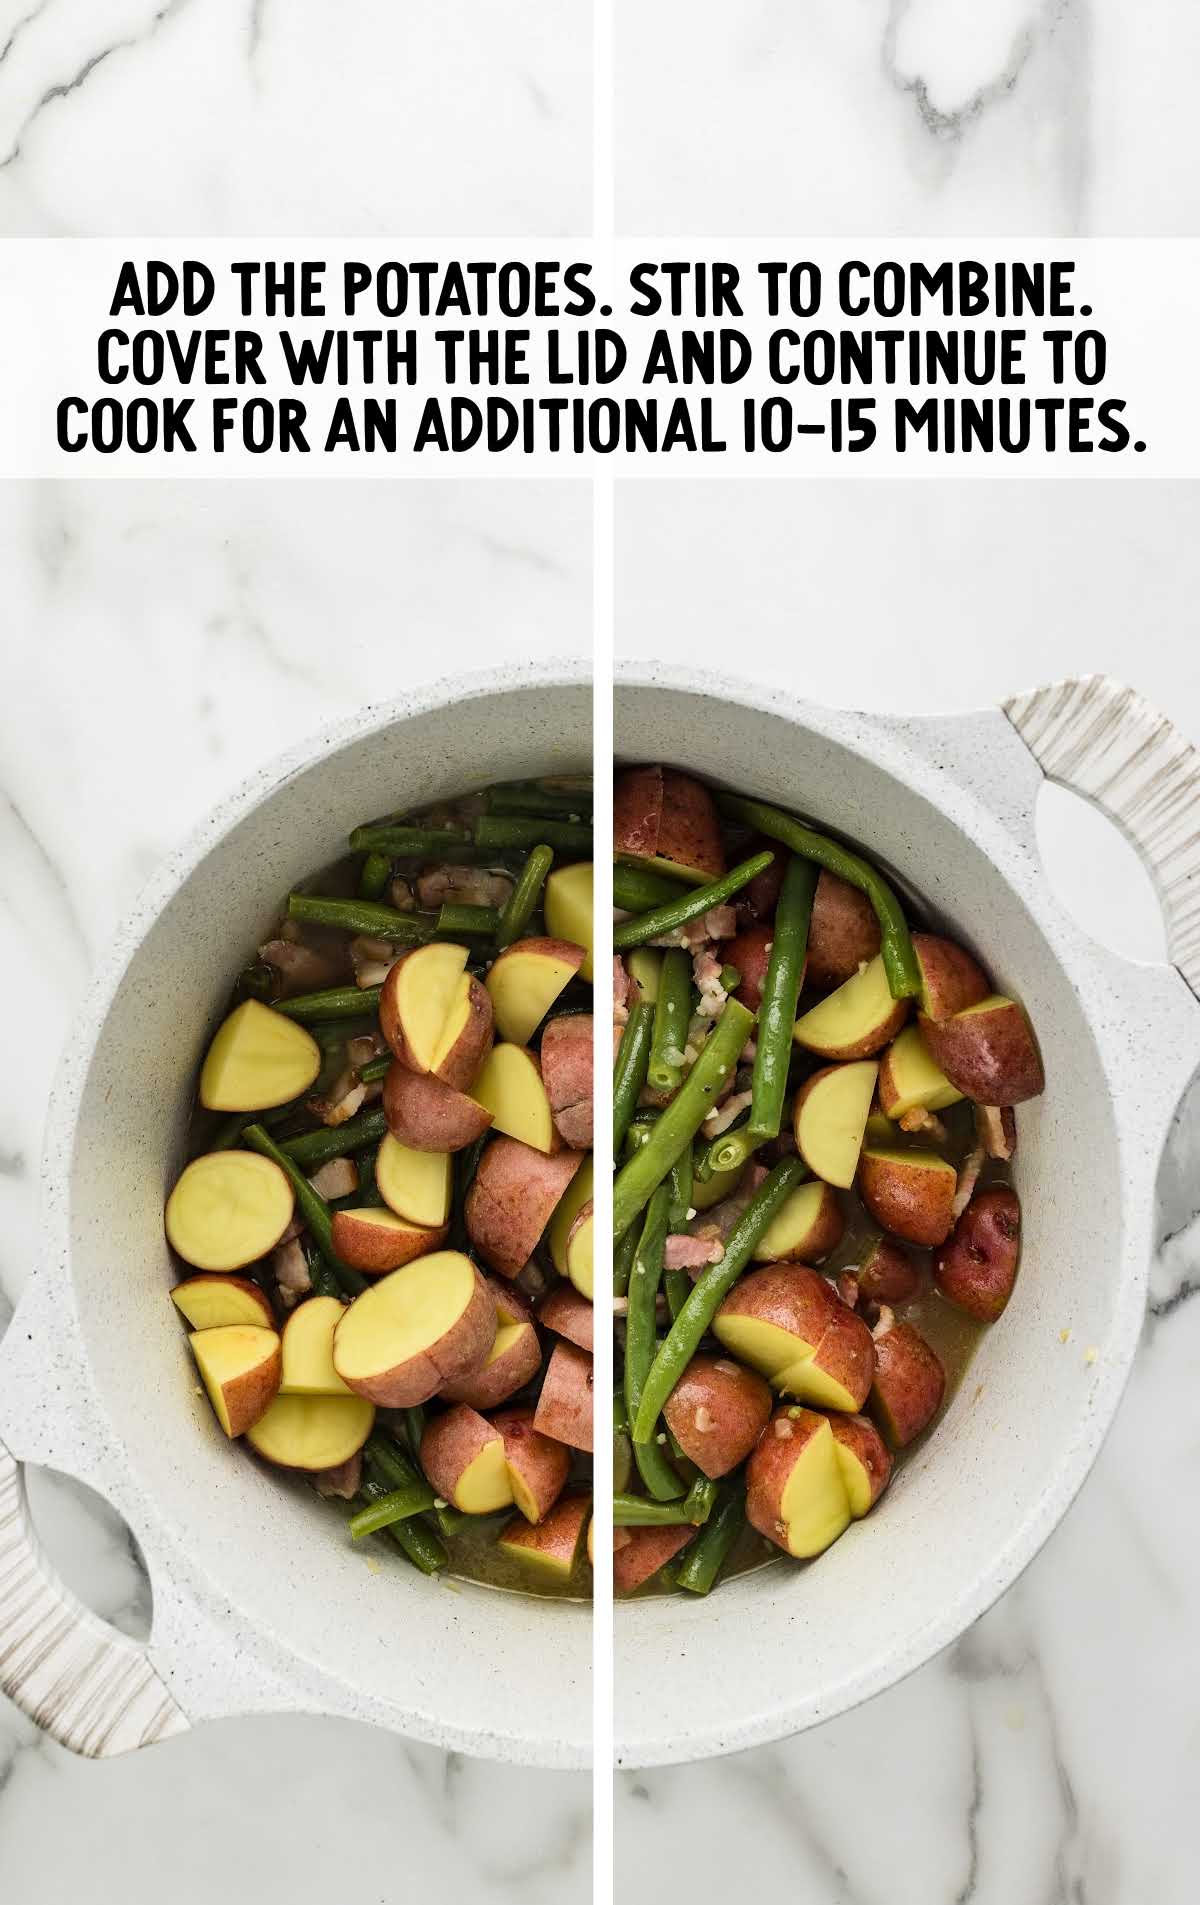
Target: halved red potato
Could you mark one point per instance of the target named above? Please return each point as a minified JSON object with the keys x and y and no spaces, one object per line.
{"x":308,"y":1349}
{"x":210,"y":1302}
{"x":573,"y":1200}
{"x":549,"y":1547}
{"x":950,"y":978}
{"x":526,"y":979}
{"x":510,"y":1089}
{"x":566,"y":1062}
{"x":807,"y":1227}
{"x":989,"y":1051}
{"x":757,"y":900}
{"x":468,"y":1036}
{"x":909,"y":1384}
{"x":435,"y":1015}
{"x":511,"y":1200}
{"x":716,"y":1412}
{"x":426,"y":1115}
{"x":564,"y":1410}
{"x":909,"y":1192}
{"x":538,"y":1466}
{"x":257,"y":1059}
{"x":795,"y":1492}
{"x":887,"y":1274}
{"x":829,"y":1117}
{"x":786,"y":1322}
{"x":414,"y":1330}
{"x":414,"y":1184}
{"x":228,"y":1208}
{"x":667,"y":821}
{"x":376,"y":1241}
{"x":843,"y":931}
{"x":568,"y":910}
{"x":856,"y":1020}
{"x":639,"y":1553}
{"x":569,"y":1314}
{"x":463,"y":1456}
{"x":976,"y":1267}
{"x":910,"y":1081}
{"x":864,"y":1459}
{"x":312,"y":1432}
{"x":239,"y":1365}
{"x":750,"y":952}
{"x":513,"y":1359}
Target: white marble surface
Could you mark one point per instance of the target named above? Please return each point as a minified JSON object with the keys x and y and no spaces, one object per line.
{"x":1051,"y":1757}
{"x":161,"y":640}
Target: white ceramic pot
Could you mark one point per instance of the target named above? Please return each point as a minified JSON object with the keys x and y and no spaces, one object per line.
{"x":259,"y":1606}
{"x":949,"y":804}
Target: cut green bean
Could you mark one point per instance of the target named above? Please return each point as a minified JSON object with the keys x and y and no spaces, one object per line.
{"x":672,"y":1011}
{"x":400,"y":1504}
{"x":408,"y":843}
{"x":781,"y":989}
{"x":501,"y":831}
{"x":311,"y":1205}
{"x":321,"y":1275}
{"x":229,"y":1131}
{"x":635,"y":890}
{"x":629,"y":1073}
{"x":708,"y":1293}
{"x":388,"y":1461}
{"x":731,"y":1150}
{"x":536,"y":800}
{"x":338,"y":1002}
{"x":623,"y":1255}
{"x":676,"y":1284}
{"x":477,"y":921}
{"x":683,"y":1117}
{"x":368,"y":1195}
{"x":450,"y":1520}
{"x":418,"y":1542}
{"x":257,"y":982}
{"x":635,"y":1511}
{"x":374,"y":876}
{"x":375,"y":1069}
{"x":655,"y":1470}
{"x":313,"y":1148}
{"x":692,"y":905}
{"x":896,"y":947}
{"x":523,"y":900}
{"x":708,"y":1554}
{"x":681,"y":1190}
{"x":361,"y":916}
{"x":414,"y":1429}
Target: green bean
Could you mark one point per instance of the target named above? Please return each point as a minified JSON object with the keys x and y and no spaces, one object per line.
{"x":683,"y":1117}
{"x":313,"y":1148}
{"x":623,"y":1255}
{"x":258,"y":981}
{"x":672,"y":1010}
{"x":629,"y":1072}
{"x":681,"y":1190}
{"x":536,"y":800}
{"x":505,"y":830}
{"x":708,"y":1554}
{"x":676,"y":1284}
{"x":655,"y":1470}
{"x":311,"y":1205}
{"x":622,"y":1446}
{"x":400,"y":1504}
{"x":368,"y":1194}
{"x":408,"y":843}
{"x":374,"y":876}
{"x":386,"y":1459}
{"x":229,"y":1130}
{"x":375,"y":1069}
{"x":692,"y":905}
{"x":708,"y":1293}
{"x":635,"y":890}
{"x":731,"y":978}
{"x":466,"y":1163}
{"x":730,"y":1151}
{"x":321,"y":1274}
{"x":634,"y":1511}
{"x":781,"y":989}
{"x":896,"y":947}
{"x":522,"y":901}
{"x":449,"y":1518}
{"x":361,"y":916}
{"x":481,"y":921}
{"x":420,"y":1544}
{"x":414,"y":1429}
{"x":339,"y":1002}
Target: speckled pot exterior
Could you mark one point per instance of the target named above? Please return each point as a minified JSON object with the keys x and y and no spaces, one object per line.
{"x":949,"y":805}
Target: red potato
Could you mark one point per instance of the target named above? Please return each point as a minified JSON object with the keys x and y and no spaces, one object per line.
{"x":750,"y":952}
{"x":468,"y":1038}
{"x":809,"y":1225}
{"x":375,"y":1241}
{"x":415,"y":1330}
{"x":795,"y":1492}
{"x":842,"y":933}
{"x":240,"y":1365}
{"x":210,"y":1302}
{"x":855,"y":1021}
{"x":436,"y":1016}
{"x":568,"y":1314}
{"x":829,"y":1118}
{"x":312,"y":1433}
{"x":538,"y":1466}
{"x":909,"y":1192}
{"x":716,"y":1412}
{"x":549,"y":1547}
{"x":512,"y":1199}
{"x":566,"y":1059}
{"x":887,"y":1274}
{"x":787,"y":1322}
{"x":513,"y":1359}
{"x":909,"y":1384}
{"x":950,"y":978}
{"x":564,"y":1410}
{"x":639,"y":1553}
{"x":976,"y":1267}
{"x":426,"y":1115}
{"x":758,"y":899}
{"x":525,"y":980}
{"x":463,"y":1456}
{"x":668,"y":818}
{"x":988,"y":1051}
{"x":864,"y":1459}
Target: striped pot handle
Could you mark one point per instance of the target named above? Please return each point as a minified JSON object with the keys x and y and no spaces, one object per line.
{"x":89,"y":1687}
{"x":1102,"y":740}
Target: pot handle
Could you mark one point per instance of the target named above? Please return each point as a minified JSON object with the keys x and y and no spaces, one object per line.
{"x":88,"y":1686}
{"x":1100,"y":739}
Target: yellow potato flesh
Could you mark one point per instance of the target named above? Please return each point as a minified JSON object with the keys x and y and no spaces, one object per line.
{"x":858,"y":1007}
{"x":568,"y":910}
{"x":795,"y":1220}
{"x":227,"y":1209}
{"x":404,"y":1314}
{"x":566,"y":1211}
{"x":719,"y":1185}
{"x":427,"y":987}
{"x":579,"y":1259}
{"x":257,"y":1059}
{"x":523,"y":987}
{"x":209,"y":1305}
{"x":225,"y":1354}
{"x":484,"y":1484}
{"x":644,"y":966}
{"x":456,"y":1019}
{"x":855,"y":1480}
{"x":831,"y":1121}
{"x":814,"y":1506}
{"x":523,"y":1496}
{"x":915,"y":1082}
{"x":312,"y":1432}
{"x":785,"y":1360}
{"x":506,"y":1335}
{"x":510,"y":1086}
{"x":308,"y":1349}
{"x":414,"y":1184}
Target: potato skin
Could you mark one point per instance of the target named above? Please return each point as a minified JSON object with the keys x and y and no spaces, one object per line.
{"x":427,"y":1115}
{"x":566,"y":1061}
{"x":887,"y":1274}
{"x":951,"y":978}
{"x":750,"y":953}
{"x":460,"y":1067}
{"x":449,"y":1444}
{"x":637,"y":811}
{"x":565,"y":1311}
{"x":376,"y":1250}
{"x":860,"y":1436}
{"x":642,"y":1552}
{"x":770,"y":1465}
{"x":490,"y":1384}
{"x":797,"y":1299}
{"x":542,"y":1464}
{"x":462,"y":1348}
{"x":916,"y":1203}
{"x":564,"y":1410}
{"x":689,"y":832}
{"x":976,"y":1267}
{"x":757,"y":900}
{"x":512,"y":1199}
{"x":991,"y":1057}
{"x":909,"y":1384}
{"x":716,"y":1412}
{"x":842,"y":933}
